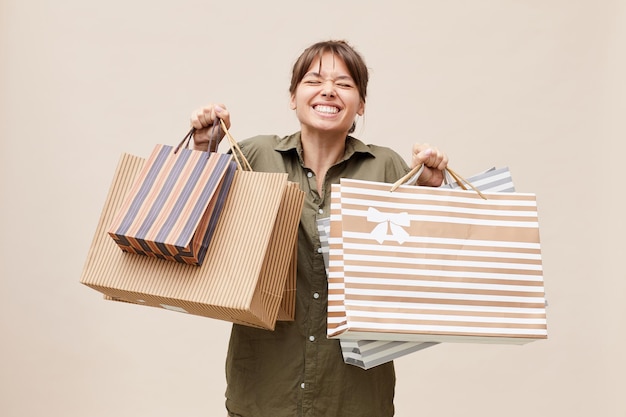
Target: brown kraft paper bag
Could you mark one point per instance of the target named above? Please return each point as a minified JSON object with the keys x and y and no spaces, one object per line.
{"x":248,"y":274}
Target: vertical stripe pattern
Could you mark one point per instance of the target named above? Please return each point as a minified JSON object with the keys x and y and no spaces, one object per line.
{"x":172,"y":208}
{"x":248,"y":275}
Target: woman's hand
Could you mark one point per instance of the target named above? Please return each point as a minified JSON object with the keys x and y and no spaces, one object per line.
{"x":434,"y":162}
{"x":208,"y":132}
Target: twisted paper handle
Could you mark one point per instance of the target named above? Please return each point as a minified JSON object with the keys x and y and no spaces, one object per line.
{"x":240,"y":159}
{"x":413,"y":174}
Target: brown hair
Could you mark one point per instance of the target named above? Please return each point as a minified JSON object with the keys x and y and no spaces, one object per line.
{"x":353,"y":60}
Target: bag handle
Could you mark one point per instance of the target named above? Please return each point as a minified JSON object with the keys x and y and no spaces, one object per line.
{"x":188,"y":137}
{"x":240,"y":159}
{"x":414,"y":174}
{"x":185,"y":140}
{"x":243,"y":164}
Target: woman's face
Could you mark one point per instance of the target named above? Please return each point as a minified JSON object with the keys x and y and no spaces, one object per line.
{"x":327,"y":99}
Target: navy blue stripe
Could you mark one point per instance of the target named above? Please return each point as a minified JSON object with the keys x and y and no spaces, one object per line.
{"x":143,"y":191}
{"x":144,"y":245}
{"x":174,"y":214}
{"x":200,"y":207}
{"x":164,"y":193}
{"x":219,"y":205}
{"x":162,"y":248}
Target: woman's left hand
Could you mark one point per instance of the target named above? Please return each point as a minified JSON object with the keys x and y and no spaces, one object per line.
{"x":434,"y":162}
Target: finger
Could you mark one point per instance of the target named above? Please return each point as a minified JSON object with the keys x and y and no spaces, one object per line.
{"x":200,"y":118}
{"x":203,"y":117}
{"x":431,"y":157}
{"x":208,"y":116}
{"x":443,"y":163}
{"x":418,"y":155}
{"x":195,"y":120}
{"x":435,"y":158}
{"x":422,"y":157}
{"x":438,"y":160}
{"x":222,"y":113}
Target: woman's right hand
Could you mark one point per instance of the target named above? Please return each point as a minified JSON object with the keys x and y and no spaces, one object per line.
{"x":208,"y":132}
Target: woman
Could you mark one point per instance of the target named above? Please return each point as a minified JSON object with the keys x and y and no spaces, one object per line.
{"x":295,"y":370}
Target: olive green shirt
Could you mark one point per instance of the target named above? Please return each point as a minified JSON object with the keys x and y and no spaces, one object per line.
{"x":295,"y":370}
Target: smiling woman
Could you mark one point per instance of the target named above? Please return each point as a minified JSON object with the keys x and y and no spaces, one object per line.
{"x":354,"y":71}
{"x":295,"y":369}
{"x":327,"y":100}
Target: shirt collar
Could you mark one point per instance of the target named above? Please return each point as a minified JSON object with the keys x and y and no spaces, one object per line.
{"x":293,"y":143}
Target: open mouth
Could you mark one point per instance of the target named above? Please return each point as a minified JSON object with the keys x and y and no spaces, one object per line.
{"x":326,"y":109}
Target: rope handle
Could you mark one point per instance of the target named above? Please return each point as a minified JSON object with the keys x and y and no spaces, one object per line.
{"x":243,"y":164}
{"x":240,"y":159}
{"x":185,"y":140}
{"x":414,"y":174}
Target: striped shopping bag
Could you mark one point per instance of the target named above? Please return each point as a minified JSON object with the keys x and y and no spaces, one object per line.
{"x":172,"y":208}
{"x":423,"y":264}
{"x":249,"y":271}
{"x":367,"y":354}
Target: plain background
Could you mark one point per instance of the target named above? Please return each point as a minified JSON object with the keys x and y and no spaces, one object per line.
{"x":535,"y":85}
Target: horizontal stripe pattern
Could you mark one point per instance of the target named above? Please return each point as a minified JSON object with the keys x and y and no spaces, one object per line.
{"x":367,"y":354}
{"x":172,"y":209}
{"x":495,"y":180}
{"x":460,"y":267}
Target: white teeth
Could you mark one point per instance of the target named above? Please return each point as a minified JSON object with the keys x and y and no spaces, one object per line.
{"x":327,"y":109}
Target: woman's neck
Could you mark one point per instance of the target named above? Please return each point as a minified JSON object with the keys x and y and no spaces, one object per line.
{"x":322,"y":151}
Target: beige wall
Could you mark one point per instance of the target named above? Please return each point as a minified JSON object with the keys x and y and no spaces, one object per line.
{"x":535,"y":85}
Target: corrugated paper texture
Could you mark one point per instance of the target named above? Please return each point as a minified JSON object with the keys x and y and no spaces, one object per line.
{"x":434,"y":265}
{"x":249,"y":269}
{"x":172,"y":208}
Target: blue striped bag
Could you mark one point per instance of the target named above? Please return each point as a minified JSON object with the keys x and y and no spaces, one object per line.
{"x":172,"y":208}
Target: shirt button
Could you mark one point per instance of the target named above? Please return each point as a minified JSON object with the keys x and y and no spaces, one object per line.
{"x":302,"y":385}
{"x":312,"y":338}
{"x":319,"y":250}
{"x":316,"y":295}
{"x":320,"y":211}
{"x":309,"y":174}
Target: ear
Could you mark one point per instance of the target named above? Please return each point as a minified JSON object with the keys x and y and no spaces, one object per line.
{"x":292,"y":102}
{"x":361,"y":108}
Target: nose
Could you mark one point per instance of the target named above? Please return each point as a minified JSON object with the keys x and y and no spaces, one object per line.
{"x":328,"y":89}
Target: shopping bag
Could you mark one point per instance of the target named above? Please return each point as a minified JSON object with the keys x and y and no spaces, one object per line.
{"x":367,"y":354}
{"x":492,"y":180}
{"x":248,"y":275}
{"x":172,"y":208}
{"x":423,"y":264}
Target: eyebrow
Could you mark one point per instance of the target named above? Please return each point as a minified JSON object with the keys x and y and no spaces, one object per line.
{"x":317,"y":74}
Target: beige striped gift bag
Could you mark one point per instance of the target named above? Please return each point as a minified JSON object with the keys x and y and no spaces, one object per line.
{"x":423,"y":264}
{"x":366,"y":354}
{"x":370,"y":353}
